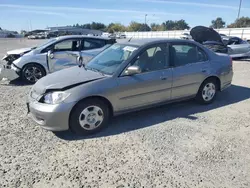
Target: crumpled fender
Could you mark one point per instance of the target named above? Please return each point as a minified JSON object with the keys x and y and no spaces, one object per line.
{"x":5,"y":57}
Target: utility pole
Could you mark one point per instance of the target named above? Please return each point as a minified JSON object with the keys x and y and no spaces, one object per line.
{"x":239,"y":9}
{"x":145,"y":22}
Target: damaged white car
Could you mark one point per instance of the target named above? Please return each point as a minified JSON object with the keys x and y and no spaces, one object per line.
{"x":233,"y":46}
{"x":32,"y":64}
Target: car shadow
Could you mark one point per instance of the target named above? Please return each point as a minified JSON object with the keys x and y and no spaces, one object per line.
{"x":145,"y":118}
{"x":17,"y":82}
{"x":241,"y":59}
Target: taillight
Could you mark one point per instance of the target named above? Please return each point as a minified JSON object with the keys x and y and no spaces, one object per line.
{"x":231,"y":60}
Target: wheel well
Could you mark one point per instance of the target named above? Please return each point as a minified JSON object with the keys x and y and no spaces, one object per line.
{"x":37,"y":65}
{"x":106,"y":101}
{"x":216,"y":79}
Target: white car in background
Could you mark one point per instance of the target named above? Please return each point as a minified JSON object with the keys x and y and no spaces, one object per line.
{"x":186,"y":36}
{"x":32,"y":64}
{"x":120,"y":36}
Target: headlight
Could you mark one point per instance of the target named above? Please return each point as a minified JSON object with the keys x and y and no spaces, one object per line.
{"x":55,"y":97}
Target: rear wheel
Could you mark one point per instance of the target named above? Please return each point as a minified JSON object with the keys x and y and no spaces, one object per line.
{"x":32,"y":72}
{"x":89,"y":116}
{"x":207,"y":91}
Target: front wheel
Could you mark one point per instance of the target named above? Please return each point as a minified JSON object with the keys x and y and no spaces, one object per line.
{"x":32,"y":72}
{"x":207,"y":91}
{"x":89,"y":116}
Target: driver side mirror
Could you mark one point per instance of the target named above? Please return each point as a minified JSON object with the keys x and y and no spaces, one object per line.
{"x":131,"y":70}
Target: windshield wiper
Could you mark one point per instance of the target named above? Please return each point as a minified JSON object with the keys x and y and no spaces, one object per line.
{"x":95,"y":70}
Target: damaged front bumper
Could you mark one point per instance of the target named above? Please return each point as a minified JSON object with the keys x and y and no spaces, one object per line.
{"x":10,"y":72}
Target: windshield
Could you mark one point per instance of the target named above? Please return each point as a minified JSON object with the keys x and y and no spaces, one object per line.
{"x":110,"y":59}
{"x":51,"y":41}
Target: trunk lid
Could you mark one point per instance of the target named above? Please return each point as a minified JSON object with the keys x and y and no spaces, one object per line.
{"x":202,"y":34}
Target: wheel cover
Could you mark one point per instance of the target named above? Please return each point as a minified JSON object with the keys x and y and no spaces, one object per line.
{"x":208,"y":92}
{"x":91,"y":117}
{"x":33,"y":74}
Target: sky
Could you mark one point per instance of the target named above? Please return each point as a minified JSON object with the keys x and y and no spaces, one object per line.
{"x":29,"y":14}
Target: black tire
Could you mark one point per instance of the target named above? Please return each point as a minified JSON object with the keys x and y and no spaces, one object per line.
{"x":38,"y":73}
{"x":75,"y":116}
{"x":200,"y":97}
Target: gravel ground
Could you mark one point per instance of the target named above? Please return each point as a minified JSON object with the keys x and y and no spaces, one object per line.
{"x":178,"y":145}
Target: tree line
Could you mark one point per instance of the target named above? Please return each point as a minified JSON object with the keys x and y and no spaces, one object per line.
{"x":165,"y":26}
{"x":136,"y":26}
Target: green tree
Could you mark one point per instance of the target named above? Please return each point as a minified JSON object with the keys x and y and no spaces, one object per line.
{"x":181,"y":25}
{"x":109,"y":28}
{"x":169,"y":25}
{"x":135,"y":26}
{"x":218,"y":23}
{"x":154,"y":26}
{"x":98,"y":26}
{"x":241,"y":22}
{"x":145,"y":27}
{"x":157,"y":27}
{"x":86,"y":26}
{"x":116,"y":27}
{"x":175,"y":25}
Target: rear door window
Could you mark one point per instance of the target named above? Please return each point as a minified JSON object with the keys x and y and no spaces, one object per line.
{"x":182,"y":54}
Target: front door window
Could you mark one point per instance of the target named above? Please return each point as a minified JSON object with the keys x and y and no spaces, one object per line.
{"x":67,"y":45}
{"x":152,"y":59}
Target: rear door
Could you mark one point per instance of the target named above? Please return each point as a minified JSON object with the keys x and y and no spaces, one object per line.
{"x":64,"y":54}
{"x":152,"y":85}
{"x":190,"y":68}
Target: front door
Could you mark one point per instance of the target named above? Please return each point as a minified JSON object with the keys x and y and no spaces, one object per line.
{"x":64,"y":54}
{"x":190,"y":68}
{"x":152,"y":85}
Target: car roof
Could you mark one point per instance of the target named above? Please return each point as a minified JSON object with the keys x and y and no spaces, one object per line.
{"x":82,"y":36}
{"x":141,"y":42}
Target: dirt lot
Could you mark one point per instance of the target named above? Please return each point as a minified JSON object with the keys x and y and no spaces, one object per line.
{"x":178,"y":145}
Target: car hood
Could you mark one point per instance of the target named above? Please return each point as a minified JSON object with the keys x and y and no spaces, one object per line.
{"x":202,"y":34}
{"x":19,"y":51}
{"x":66,"y":79}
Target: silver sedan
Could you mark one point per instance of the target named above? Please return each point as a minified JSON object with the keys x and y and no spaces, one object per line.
{"x":126,"y":77}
